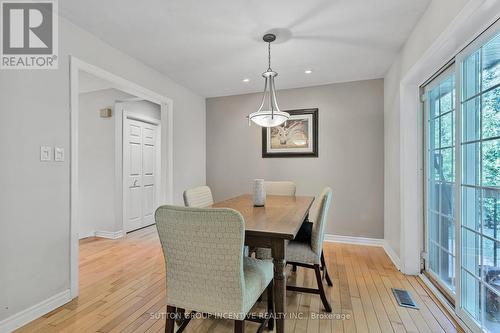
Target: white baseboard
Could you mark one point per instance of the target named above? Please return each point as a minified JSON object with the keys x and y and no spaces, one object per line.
{"x":110,"y":234}
{"x":354,"y":240}
{"x":34,"y":312}
{"x":86,"y":235}
{"x":392,"y":255}
{"x":366,"y":241}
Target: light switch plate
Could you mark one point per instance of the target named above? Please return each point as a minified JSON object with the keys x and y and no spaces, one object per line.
{"x":59,"y":154}
{"x":45,"y":153}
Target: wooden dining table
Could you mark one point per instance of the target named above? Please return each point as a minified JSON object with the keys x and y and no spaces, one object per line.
{"x":271,"y":226}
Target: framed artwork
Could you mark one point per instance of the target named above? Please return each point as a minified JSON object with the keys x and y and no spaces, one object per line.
{"x":297,"y":137}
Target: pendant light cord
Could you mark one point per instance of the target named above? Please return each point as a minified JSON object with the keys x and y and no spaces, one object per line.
{"x":271,"y":85}
{"x":269,"y":55}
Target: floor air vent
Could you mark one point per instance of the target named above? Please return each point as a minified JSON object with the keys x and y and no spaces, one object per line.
{"x":404,"y":298}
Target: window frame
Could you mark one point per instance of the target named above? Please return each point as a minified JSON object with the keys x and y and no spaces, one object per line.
{"x":455,"y":66}
{"x":476,"y":44}
{"x":434,"y":82}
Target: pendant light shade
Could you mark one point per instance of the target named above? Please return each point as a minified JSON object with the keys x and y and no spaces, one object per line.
{"x":269,"y":113}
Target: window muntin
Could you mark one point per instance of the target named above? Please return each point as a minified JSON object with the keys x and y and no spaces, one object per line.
{"x":462,"y":181}
{"x":441,"y":180}
{"x":480,"y":185}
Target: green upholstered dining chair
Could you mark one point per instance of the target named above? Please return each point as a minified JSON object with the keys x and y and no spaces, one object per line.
{"x":307,"y":255}
{"x":200,"y":196}
{"x":206,"y":271}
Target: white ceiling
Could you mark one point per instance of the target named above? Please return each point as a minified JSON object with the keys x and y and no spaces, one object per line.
{"x":210,"y":46}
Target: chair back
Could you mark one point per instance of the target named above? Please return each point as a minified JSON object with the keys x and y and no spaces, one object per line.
{"x":280,"y":188}
{"x":321,"y":208}
{"x":203,"y":250}
{"x":315,"y":210}
{"x":200,"y":196}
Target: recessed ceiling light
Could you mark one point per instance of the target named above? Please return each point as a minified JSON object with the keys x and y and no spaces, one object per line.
{"x":246,"y":80}
{"x":308,"y":71}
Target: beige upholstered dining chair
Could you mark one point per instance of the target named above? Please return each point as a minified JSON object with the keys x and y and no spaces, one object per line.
{"x":280,"y":188}
{"x":200,"y":196}
{"x":311,"y":255}
{"x":206,"y":269}
{"x":275,"y":188}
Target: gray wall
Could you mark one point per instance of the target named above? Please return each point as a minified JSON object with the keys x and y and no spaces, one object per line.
{"x":35,"y":196}
{"x":351,"y":151}
{"x":96,"y":169}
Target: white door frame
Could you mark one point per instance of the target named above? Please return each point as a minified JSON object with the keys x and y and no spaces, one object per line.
{"x":472,"y":20}
{"x":166,"y":185}
{"x":126,"y":114}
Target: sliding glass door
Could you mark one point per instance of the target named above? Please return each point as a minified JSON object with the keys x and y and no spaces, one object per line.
{"x":462,"y":182}
{"x":480,"y":183}
{"x":440,"y":182}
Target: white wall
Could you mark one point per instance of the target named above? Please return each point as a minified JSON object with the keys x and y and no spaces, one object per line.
{"x":392,"y":211}
{"x":436,"y":18}
{"x":351,"y":151}
{"x":145,"y":108}
{"x":35,"y":196}
{"x":445,"y":28}
{"x":96,"y":162}
{"x":96,"y":169}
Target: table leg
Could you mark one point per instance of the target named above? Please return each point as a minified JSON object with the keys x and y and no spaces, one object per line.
{"x":278,"y":254}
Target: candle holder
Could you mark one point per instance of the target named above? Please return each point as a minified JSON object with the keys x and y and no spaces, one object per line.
{"x":259,"y":193}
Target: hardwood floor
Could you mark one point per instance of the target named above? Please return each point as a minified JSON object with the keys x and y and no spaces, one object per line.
{"x":123,"y":290}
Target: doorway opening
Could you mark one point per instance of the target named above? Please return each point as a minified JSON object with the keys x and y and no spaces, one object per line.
{"x":121,"y":157}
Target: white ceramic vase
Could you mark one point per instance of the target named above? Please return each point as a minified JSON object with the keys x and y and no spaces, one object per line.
{"x":259,"y":193}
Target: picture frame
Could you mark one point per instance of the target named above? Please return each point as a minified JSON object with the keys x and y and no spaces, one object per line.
{"x":297,"y":137}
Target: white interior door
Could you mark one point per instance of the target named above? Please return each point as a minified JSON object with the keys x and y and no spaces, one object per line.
{"x":140,"y":151}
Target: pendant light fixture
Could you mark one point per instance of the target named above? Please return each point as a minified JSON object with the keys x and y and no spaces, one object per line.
{"x":269,"y":114}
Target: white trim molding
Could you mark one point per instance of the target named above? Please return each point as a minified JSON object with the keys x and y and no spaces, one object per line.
{"x":34,"y":312}
{"x":166,"y":104}
{"x":86,"y":235}
{"x":472,"y":20}
{"x":110,"y":234}
{"x":367,"y":242}
{"x":392,"y":255}
{"x":354,"y":240}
